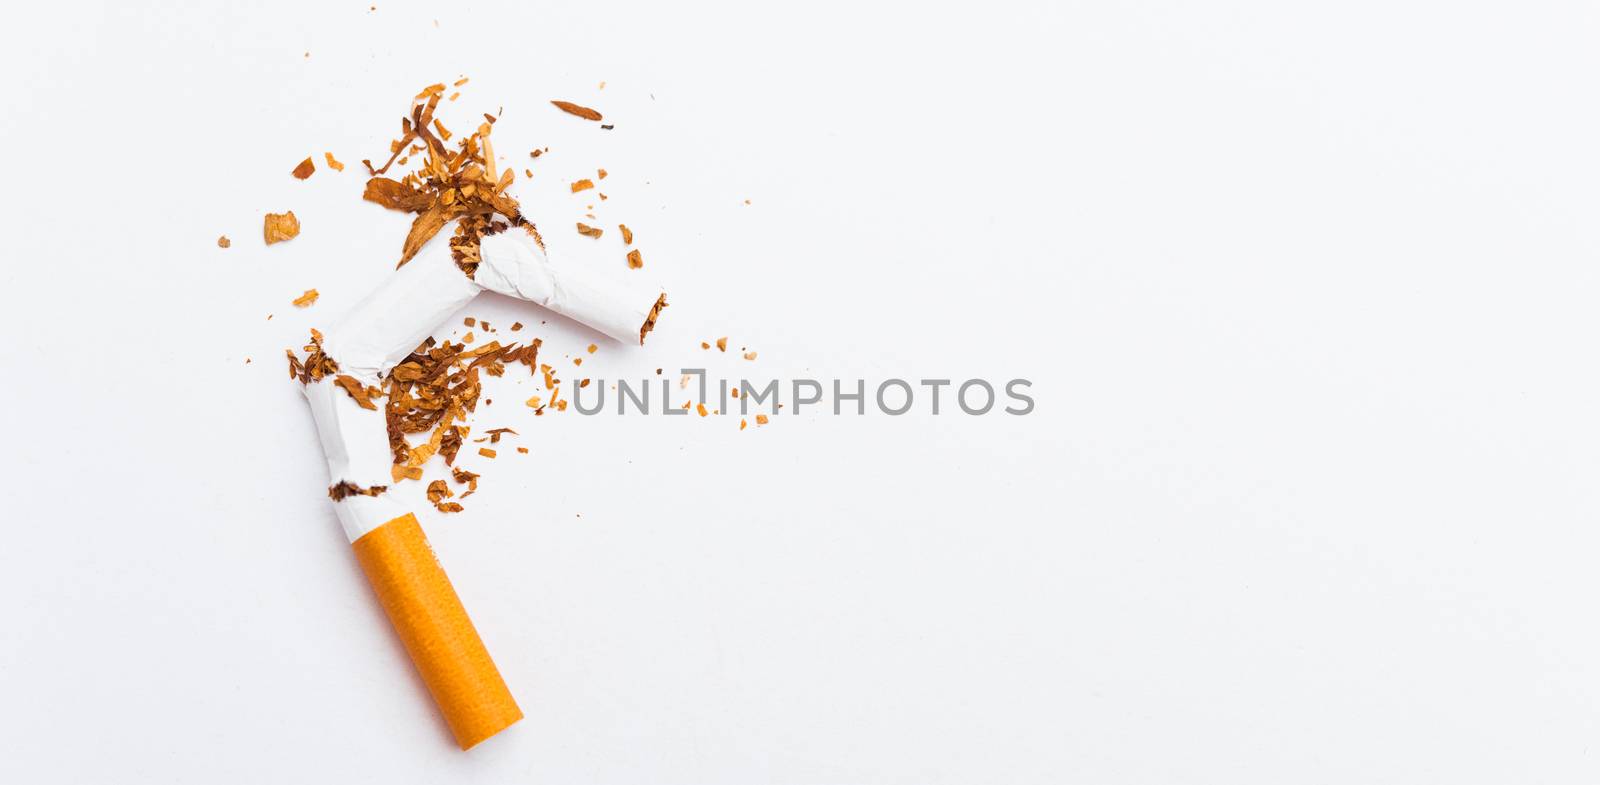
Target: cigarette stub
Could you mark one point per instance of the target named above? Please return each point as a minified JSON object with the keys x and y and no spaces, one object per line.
{"x":425,"y":611}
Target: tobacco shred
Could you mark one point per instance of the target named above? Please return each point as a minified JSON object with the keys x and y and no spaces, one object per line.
{"x":305,"y":300}
{"x":333,"y":164}
{"x":627,"y":234}
{"x":345,"y":489}
{"x":650,"y":321}
{"x":576,"y":110}
{"x":582,"y":185}
{"x":224,"y":242}
{"x":589,"y":231}
{"x":360,"y":392}
{"x":304,"y":169}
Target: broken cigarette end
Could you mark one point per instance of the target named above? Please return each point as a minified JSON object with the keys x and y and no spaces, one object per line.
{"x":650,"y":321}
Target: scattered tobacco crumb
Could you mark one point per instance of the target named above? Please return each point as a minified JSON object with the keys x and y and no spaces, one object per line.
{"x":722,"y":344}
{"x":582,"y":185}
{"x":761,"y":419}
{"x":333,"y":163}
{"x":304,"y":169}
{"x":627,"y":234}
{"x":742,"y":424}
{"x":635,"y":259}
{"x":589,"y":231}
{"x":576,"y":110}
{"x":305,"y":300}
{"x":749,"y":355}
{"x":278,"y":227}
{"x":701,"y":408}
{"x":224,"y":242}
{"x":601,"y":173}
{"x":486,"y":452}
{"x":522,"y":450}
{"x":438,"y":491}
{"x":515,"y":326}
{"x":593,"y":348}
{"x":704,"y":345}
{"x":607,"y":127}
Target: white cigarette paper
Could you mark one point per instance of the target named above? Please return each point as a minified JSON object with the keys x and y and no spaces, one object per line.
{"x":386,"y":326}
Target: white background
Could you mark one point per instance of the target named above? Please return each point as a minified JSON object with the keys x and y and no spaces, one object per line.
{"x":1306,"y":292}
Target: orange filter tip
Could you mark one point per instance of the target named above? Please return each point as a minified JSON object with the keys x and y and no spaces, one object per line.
{"x":425,"y":611}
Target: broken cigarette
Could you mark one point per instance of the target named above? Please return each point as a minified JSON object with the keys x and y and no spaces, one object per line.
{"x":378,"y":333}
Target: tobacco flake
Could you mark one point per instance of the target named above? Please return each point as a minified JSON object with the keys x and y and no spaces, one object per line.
{"x":305,"y":300}
{"x":576,"y":110}
{"x":304,"y":169}
{"x":361,"y":393}
{"x":278,"y":227}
